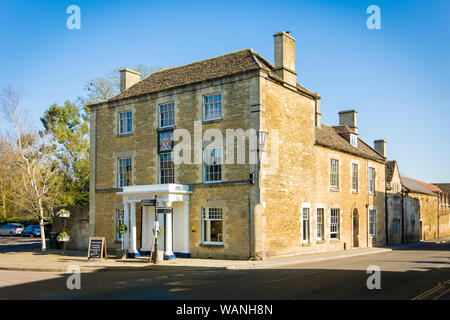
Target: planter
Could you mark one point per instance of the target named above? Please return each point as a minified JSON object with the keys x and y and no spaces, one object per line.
{"x":64,"y":215}
{"x":121,"y":254}
{"x":63,"y":239}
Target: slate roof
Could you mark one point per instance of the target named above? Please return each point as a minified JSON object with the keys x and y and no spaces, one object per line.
{"x":430,"y":187}
{"x":218,"y":67}
{"x":329,"y":137}
{"x":414,"y":185}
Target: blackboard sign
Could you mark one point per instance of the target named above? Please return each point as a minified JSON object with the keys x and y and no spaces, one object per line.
{"x":97,"y":248}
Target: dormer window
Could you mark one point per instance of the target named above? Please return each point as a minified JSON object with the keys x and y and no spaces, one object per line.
{"x":354,"y":140}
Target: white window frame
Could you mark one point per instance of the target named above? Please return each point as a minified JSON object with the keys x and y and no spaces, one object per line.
{"x":119,"y":214}
{"x":355,"y":176}
{"x":372,"y":222}
{"x":215,"y":104}
{"x":166,"y":105}
{"x":371,"y":180}
{"x":167,"y":170}
{"x":320,"y":224}
{"x":354,"y":140}
{"x":336,"y":186}
{"x":121,"y":130}
{"x":216,"y":218}
{"x":336,"y":223}
{"x":205,"y":164}
{"x":306,"y":226}
{"x":119,"y":172}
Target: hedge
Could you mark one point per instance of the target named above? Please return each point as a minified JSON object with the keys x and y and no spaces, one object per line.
{"x":24,"y":221}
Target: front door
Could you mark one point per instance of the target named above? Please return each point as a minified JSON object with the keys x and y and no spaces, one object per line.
{"x":355,"y":229}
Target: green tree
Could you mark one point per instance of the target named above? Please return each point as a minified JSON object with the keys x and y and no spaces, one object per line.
{"x":68,"y":126}
{"x":30,"y":154}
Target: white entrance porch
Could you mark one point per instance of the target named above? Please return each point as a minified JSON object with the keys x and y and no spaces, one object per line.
{"x":174,"y":238}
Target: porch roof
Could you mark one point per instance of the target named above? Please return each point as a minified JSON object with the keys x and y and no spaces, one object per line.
{"x":169,"y":188}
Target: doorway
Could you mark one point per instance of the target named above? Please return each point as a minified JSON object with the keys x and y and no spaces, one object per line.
{"x":355,"y":228}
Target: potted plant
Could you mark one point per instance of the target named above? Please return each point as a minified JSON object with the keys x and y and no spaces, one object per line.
{"x":63,"y":237}
{"x":121,"y":229}
{"x":63,"y":213}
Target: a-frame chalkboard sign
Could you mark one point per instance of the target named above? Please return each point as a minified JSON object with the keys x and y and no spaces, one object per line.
{"x":97,"y":248}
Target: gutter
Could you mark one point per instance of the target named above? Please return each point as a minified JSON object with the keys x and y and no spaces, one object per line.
{"x":386,"y":216}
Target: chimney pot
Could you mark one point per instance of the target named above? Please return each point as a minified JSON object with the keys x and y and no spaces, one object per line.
{"x":128,"y":78}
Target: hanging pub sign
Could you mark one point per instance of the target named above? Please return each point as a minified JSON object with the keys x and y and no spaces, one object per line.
{"x":165,"y":141}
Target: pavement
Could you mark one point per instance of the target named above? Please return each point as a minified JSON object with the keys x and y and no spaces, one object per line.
{"x":13,"y":257}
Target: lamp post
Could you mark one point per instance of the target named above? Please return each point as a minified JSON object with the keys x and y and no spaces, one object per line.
{"x":156,"y":230}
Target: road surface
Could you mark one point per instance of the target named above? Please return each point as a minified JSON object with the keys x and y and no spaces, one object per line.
{"x":405,"y":274}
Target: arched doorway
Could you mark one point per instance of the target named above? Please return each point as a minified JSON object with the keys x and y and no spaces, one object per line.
{"x":355,"y":223}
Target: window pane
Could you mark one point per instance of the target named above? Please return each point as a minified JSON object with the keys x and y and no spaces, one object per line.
{"x":334,"y":225}
{"x":212,"y":107}
{"x":125,"y":122}
{"x":320,"y":224}
{"x":212,"y":164}
{"x":166,"y":168}
{"x":124,"y":178}
{"x":166,"y":115}
{"x":334,"y":173}
{"x":212,"y":225}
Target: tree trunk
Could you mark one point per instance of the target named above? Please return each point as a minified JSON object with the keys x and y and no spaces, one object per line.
{"x":4,"y":204}
{"x":41,"y":224}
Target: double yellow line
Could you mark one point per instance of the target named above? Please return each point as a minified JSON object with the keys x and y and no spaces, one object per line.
{"x":435,"y":293}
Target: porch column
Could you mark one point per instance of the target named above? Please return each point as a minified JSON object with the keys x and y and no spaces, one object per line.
{"x":126,"y":221}
{"x":132,"y":251}
{"x":168,"y":254}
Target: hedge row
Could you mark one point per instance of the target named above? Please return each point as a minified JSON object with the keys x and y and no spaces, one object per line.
{"x":24,"y":221}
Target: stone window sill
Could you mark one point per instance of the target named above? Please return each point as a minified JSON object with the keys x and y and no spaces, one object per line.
{"x":320,"y":241}
{"x":335,"y":189}
{"x":120,"y":135}
{"x":166,"y":128}
{"x":212,"y":245}
{"x":212,"y":121}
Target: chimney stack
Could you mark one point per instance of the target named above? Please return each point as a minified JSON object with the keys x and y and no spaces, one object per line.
{"x":284,"y":51}
{"x":318,"y":114}
{"x":349,"y":118}
{"x":380,"y":147}
{"x":128,"y":78}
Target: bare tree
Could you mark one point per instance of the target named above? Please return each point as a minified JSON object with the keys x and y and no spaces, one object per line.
{"x":32,"y":155}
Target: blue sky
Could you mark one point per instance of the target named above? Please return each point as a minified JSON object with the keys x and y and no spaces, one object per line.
{"x":397,"y":77}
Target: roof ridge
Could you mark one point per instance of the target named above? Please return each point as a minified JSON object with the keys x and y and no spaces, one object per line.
{"x":186,"y":65}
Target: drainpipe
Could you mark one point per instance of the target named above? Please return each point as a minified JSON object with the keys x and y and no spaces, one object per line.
{"x":439,"y":196}
{"x":403,"y":221}
{"x":386,"y":220}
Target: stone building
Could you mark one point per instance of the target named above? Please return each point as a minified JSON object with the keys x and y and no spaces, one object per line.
{"x":291,"y":185}
{"x":397,"y":231}
{"x":421,"y":204}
